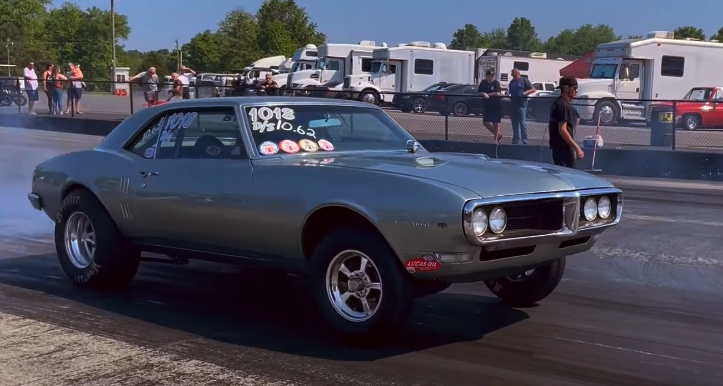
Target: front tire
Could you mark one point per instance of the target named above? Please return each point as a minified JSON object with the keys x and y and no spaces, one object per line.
{"x":529,"y":287}
{"x":358,"y":285}
{"x":90,"y":248}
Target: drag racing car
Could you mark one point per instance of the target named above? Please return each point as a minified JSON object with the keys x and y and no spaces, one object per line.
{"x":332,"y":189}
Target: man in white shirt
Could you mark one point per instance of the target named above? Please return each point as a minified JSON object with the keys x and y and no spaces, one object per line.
{"x":185,"y":78}
{"x":31,"y":86}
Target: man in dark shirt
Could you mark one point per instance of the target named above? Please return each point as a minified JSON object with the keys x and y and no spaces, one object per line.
{"x":563,"y":118}
{"x":491,"y":91}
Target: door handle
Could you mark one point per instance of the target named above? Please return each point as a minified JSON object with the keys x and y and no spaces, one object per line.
{"x":637,"y":89}
{"x":148,"y":174}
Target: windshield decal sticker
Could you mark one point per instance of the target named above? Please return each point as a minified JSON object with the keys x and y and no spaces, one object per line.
{"x":326,"y":145}
{"x":289,"y":146}
{"x":267,"y":120}
{"x":150,"y":152}
{"x":308,"y":145}
{"x":213,"y":150}
{"x":268,"y":148}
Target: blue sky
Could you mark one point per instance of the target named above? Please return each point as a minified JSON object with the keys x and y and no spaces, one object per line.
{"x":155,"y":23}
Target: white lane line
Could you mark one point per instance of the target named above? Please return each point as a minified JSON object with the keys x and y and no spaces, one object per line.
{"x":39,"y":354}
{"x":676,"y":220}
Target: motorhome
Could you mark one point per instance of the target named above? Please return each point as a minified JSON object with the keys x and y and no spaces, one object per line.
{"x":536,"y":66}
{"x":627,"y":75}
{"x":335,"y":61}
{"x":408,"y":68}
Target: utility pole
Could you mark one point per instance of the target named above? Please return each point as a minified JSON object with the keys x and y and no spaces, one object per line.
{"x":7,"y":46}
{"x":178,"y":58}
{"x":112,"y":26}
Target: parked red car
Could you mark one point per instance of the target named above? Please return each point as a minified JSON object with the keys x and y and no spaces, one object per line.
{"x":701,"y":107}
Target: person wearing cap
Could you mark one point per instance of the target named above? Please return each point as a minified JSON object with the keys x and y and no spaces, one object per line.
{"x":491,"y":91}
{"x":563,"y":119}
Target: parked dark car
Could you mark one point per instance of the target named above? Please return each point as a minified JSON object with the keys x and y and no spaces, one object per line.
{"x":461,"y":100}
{"x":417,"y":101}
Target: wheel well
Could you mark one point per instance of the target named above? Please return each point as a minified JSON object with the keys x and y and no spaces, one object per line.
{"x":71,"y":187}
{"x":326,"y":219}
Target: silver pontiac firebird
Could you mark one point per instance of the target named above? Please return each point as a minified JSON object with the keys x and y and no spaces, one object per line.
{"x":333,"y":189}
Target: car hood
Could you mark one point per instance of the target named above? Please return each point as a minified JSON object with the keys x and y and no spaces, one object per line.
{"x":487,"y":177}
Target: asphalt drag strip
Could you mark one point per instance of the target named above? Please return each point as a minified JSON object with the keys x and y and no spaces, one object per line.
{"x":642,"y":308}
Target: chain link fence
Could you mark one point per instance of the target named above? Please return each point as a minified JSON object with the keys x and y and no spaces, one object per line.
{"x":694,"y":123}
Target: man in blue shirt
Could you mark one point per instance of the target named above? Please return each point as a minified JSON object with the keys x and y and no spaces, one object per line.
{"x":520,"y":88}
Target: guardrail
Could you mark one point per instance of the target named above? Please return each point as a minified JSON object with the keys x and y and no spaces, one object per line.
{"x":661,"y":124}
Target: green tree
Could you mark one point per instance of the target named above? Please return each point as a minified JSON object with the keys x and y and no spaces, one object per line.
{"x":203,"y":52}
{"x":496,"y":38}
{"x":275,"y":39}
{"x":238,"y":33}
{"x":275,"y":16}
{"x":689,"y":32}
{"x":521,"y":35}
{"x":580,"y":41}
{"x":153,"y":59}
{"x":718,"y":35}
{"x":21,"y":26}
{"x":467,"y":38}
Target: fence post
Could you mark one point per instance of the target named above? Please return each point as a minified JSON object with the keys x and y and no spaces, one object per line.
{"x":130,"y":95}
{"x":675,"y":124}
{"x":446,"y":118}
{"x":19,"y":95}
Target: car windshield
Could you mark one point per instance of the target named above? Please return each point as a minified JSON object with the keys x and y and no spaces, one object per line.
{"x":603,"y":71}
{"x":436,"y":86}
{"x":699,"y":94}
{"x":297,"y":128}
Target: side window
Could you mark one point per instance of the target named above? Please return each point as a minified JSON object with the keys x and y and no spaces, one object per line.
{"x":672,"y":66}
{"x":632,"y":69}
{"x":522,"y":66}
{"x":366,"y":65}
{"x":470,"y":90}
{"x":549,"y":87}
{"x":202,"y":134}
{"x":333,"y":65}
{"x":423,"y":67}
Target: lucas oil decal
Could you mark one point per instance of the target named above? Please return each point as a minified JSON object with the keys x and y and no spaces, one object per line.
{"x":426,"y":263}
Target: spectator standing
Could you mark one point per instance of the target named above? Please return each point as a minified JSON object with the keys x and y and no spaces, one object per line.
{"x":520,"y":89}
{"x":149,"y":83}
{"x":31,"y":86}
{"x":563,"y":120}
{"x":48,"y":91}
{"x":185,"y":78}
{"x":55,"y":82}
{"x":270,"y":86}
{"x":491,"y":91}
{"x":176,"y":88}
{"x":75,"y":88}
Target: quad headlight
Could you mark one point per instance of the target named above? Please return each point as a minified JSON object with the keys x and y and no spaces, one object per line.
{"x":604,"y":207}
{"x":479,"y":222}
{"x":590,"y":209}
{"x":498,"y":220}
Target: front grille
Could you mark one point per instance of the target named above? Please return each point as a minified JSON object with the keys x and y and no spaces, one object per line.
{"x":535,"y":215}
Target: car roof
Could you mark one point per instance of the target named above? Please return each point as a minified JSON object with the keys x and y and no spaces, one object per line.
{"x":129,"y":126}
{"x":249,"y":100}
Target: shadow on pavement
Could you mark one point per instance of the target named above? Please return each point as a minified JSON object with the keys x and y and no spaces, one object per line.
{"x":254,"y":308}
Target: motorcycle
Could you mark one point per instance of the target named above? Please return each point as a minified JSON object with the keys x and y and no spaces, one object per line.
{"x":8,"y":96}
